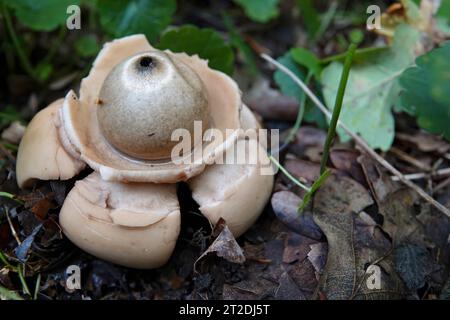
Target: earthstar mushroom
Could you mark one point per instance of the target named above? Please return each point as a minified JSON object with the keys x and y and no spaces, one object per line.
{"x":126,"y":211}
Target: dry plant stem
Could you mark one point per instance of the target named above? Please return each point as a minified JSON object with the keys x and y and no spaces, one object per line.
{"x":13,"y":231}
{"x":406,"y":157}
{"x":360,"y":141}
{"x":442,"y":185}
{"x":421,"y":175}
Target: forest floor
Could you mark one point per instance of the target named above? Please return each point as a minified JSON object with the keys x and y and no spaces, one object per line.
{"x":361,"y":222}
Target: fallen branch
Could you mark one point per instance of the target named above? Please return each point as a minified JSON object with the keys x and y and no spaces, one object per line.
{"x":360,"y":141}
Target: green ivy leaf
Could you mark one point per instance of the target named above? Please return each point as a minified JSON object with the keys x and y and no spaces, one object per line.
{"x":87,"y":46}
{"x":207,"y":43}
{"x":307,"y":59}
{"x":426,"y":91}
{"x":122,"y":17}
{"x":443,"y":17}
{"x":444,"y":10}
{"x":42,"y":15}
{"x":373,"y":90}
{"x":289,"y":88}
{"x":260,"y":10}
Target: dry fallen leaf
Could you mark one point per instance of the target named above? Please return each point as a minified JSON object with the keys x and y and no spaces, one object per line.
{"x":351,"y":247}
{"x":418,"y":233}
{"x":309,"y":142}
{"x":224,"y":246}
{"x":296,"y":248}
{"x":318,"y":256}
{"x":425,"y":142}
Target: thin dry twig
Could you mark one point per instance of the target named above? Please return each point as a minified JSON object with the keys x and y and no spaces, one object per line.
{"x":421,"y":175}
{"x":11,"y":226}
{"x":360,"y":141}
{"x":442,"y":185}
{"x":411,"y":160}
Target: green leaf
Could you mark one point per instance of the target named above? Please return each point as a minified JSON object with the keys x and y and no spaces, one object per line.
{"x":42,"y":15}
{"x":87,"y":46}
{"x":289,"y":88}
{"x":307,"y":59}
{"x":443,"y":24}
{"x":443,"y":17}
{"x":260,"y":10}
{"x":122,"y":17}
{"x":356,"y":36}
{"x":444,"y":10}
{"x":314,"y":115}
{"x":43,"y":71}
{"x":426,"y":91}
{"x":373,"y":90}
{"x":207,"y":43}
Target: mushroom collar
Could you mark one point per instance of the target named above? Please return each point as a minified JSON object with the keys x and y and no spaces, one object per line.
{"x":121,"y":126}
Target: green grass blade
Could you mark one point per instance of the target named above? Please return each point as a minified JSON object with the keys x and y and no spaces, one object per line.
{"x":316,"y":185}
{"x":287,"y":174}
{"x":337,"y":106}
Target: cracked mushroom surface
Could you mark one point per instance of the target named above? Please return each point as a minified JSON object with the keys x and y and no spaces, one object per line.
{"x":121,"y":124}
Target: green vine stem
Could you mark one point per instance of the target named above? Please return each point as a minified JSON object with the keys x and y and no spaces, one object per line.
{"x":359,"y":52}
{"x":337,"y":107}
{"x":287,"y":174}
